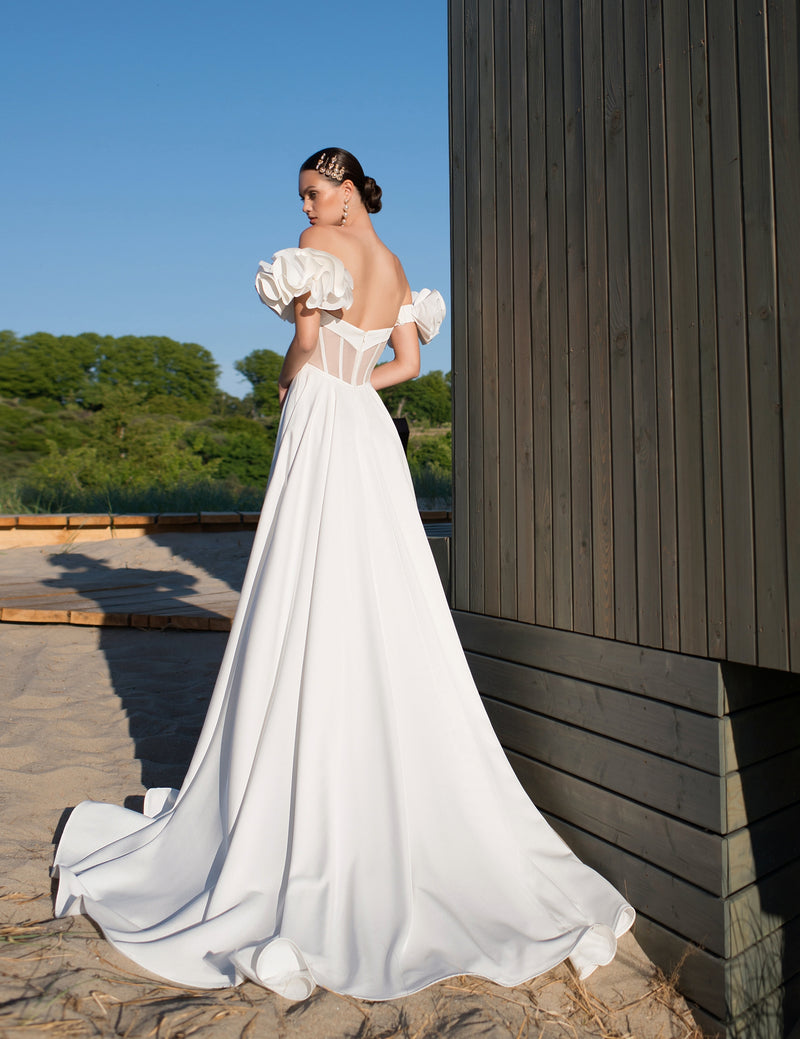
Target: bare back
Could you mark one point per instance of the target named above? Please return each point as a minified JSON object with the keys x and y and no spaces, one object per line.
{"x":380,"y":287}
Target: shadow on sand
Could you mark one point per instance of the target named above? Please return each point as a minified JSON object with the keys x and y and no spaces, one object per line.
{"x":163,"y":678}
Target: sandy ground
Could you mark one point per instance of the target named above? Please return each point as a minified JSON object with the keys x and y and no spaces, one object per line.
{"x":106,"y":713}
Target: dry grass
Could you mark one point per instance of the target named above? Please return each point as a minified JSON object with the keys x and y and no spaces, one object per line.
{"x":59,"y":979}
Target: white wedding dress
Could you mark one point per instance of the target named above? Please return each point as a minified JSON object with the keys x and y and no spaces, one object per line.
{"x":348,"y":819}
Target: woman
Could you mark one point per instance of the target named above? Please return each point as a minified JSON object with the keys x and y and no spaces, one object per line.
{"x":349,"y":818}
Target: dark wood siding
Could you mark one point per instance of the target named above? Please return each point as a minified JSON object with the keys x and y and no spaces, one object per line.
{"x":626,"y":546}
{"x":626,"y":321}
{"x":678,"y":778}
{"x":784,"y":40}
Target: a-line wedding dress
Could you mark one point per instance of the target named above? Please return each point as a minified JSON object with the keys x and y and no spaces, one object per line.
{"x":349,"y":818}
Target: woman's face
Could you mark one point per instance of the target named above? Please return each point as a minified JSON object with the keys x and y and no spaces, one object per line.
{"x":323,"y":200}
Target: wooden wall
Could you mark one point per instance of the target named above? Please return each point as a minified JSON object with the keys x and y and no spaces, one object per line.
{"x":626,"y":546}
{"x":626,"y":320}
{"x":679,"y":780}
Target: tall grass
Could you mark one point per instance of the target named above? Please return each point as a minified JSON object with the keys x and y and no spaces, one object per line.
{"x":21,"y":496}
{"x":433,"y":486}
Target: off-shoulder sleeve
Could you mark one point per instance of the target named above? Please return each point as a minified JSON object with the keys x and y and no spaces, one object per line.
{"x":426,"y":310}
{"x":294,"y":272}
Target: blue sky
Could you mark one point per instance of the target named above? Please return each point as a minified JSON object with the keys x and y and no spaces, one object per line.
{"x":150,"y":157}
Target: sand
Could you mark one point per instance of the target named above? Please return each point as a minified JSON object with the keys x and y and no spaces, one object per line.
{"x":105,"y":713}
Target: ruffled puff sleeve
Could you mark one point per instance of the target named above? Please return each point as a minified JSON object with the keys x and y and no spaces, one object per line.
{"x":295,"y":272}
{"x":426,"y":310}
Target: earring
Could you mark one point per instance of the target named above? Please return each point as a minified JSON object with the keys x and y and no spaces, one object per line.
{"x":344,"y":211}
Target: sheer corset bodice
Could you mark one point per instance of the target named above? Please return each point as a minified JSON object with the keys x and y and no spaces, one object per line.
{"x":343,"y":350}
{"x":347,"y":352}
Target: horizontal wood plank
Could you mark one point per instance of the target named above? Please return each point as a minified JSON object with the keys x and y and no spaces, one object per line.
{"x":761,"y":909}
{"x":765,"y":1020}
{"x":686,"y":851}
{"x":24,"y":615}
{"x":655,"y":892}
{"x":687,"y":681}
{"x":93,"y":520}
{"x":725,"y":988}
{"x":651,"y":725}
{"x":46,"y":521}
{"x":760,"y":733}
{"x":700,"y":975}
{"x":148,"y":520}
{"x":99,"y":619}
{"x":762,"y":847}
{"x":651,"y":781}
{"x":761,"y":789}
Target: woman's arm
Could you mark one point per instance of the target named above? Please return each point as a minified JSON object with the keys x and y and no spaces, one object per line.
{"x":405,"y":364}
{"x":306,"y":334}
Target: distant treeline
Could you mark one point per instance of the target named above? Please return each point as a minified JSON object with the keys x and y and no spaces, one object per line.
{"x":101,"y":418}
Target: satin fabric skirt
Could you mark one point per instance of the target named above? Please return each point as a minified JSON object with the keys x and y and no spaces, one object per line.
{"x":349,"y":818}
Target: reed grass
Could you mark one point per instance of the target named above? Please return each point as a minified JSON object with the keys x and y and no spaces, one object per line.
{"x":20,"y":497}
{"x":433,"y":487}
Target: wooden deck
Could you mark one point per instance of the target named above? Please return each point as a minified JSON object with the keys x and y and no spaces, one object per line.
{"x":115,"y":602}
{"x":170,"y":580}
{"x":112,"y":580}
{"x":72,"y":529}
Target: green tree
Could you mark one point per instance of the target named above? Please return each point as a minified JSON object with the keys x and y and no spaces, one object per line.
{"x":155,"y":366}
{"x":148,"y":450}
{"x":26,"y":426}
{"x":42,"y":365}
{"x":79,"y":368}
{"x":426,"y":399}
{"x":241,"y":447}
{"x":261,"y":368}
{"x":431,"y":452}
{"x":225,"y":404}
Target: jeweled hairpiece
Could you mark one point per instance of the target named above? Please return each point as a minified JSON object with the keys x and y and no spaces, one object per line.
{"x":329,"y":167}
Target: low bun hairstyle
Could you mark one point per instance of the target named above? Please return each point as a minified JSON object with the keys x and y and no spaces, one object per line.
{"x":346,"y":164}
{"x":371,"y":195}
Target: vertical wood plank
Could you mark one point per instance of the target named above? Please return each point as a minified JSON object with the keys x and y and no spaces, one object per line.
{"x":767,"y":434}
{"x":540,"y":315}
{"x":507,"y":506}
{"x":489,"y":302}
{"x":662,"y":309}
{"x":458,"y":297}
{"x":707,"y":304}
{"x":685,"y":340}
{"x":734,"y":401}
{"x":577,"y":324}
{"x":521,"y":333}
{"x":597,"y":310}
{"x":474,"y":308}
{"x":784,"y":32}
{"x":634,"y":397}
{"x":645,"y":431}
{"x":559,"y":332}
{"x":619,"y":327}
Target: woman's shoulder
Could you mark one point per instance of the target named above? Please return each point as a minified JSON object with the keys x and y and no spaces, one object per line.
{"x":323,"y":239}
{"x":350,"y":249}
{"x":401,"y":280}
{"x":369,"y":260}
{"x":401,"y":276}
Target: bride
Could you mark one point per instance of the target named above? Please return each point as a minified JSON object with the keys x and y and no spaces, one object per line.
{"x":348,"y":819}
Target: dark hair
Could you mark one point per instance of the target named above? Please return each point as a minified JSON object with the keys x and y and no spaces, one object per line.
{"x":338,"y":165}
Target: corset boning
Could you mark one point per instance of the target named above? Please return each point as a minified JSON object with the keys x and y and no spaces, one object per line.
{"x":347,"y":352}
